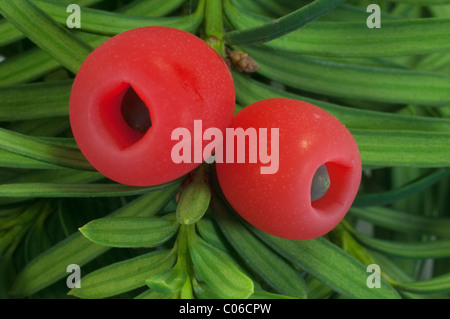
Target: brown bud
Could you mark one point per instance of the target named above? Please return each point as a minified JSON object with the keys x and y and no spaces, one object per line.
{"x":242,"y":62}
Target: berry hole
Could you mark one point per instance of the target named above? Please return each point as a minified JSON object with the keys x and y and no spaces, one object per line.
{"x":135,"y":112}
{"x":125,"y":117}
{"x":320,"y":183}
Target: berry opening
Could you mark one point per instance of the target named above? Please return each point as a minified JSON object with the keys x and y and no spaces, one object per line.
{"x":135,"y":112}
{"x":125,"y":117}
{"x":320,"y":183}
{"x":336,"y":194}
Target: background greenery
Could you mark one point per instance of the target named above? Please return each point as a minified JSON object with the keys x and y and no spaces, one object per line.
{"x":389,"y":86}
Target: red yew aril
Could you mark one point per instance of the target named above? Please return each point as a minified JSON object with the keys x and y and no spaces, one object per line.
{"x":280,"y":203}
{"x":135,"y":89}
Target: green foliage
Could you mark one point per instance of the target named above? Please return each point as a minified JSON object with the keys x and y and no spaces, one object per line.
{"x":124,"y":276}
{"x":264,"y":262}
{"x":350,"y":38}
{"x":194,"y":200}
{"x":389,"y":86}
{"x":130,"y":232}
{"x":214,"y":268}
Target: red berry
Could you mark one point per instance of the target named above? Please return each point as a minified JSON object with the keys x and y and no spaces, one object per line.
{"x":280,"y":203}
{"x":135,"y":89}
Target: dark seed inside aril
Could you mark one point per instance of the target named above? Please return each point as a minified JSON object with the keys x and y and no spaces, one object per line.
{"x":135,"y":112}
{"x":320,"y":183}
